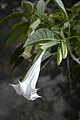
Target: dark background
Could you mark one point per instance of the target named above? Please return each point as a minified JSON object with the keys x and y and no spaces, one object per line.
{"x":60,"y":102}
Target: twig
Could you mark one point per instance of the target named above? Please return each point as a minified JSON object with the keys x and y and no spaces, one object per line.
{"x":73,"y":57}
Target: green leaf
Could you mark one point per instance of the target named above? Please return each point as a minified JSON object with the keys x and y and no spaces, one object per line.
{"x":75,"y":8}
{"x":77,"y":4}
{"x":61,"y":5}
{"x":28,"y":6}
{"x":35,"y":24}
{"x":57,"y":15}
{"x":18,"y":51}
{"x":12,"y":37}
{"x":47,"y":45}
{"x":77,"y":29}
{"x":40,"y":7}
{"x":59,"y":55}
{"x":16,"y":34}
{"x":20,"y":24}
{"x":40,"y":35}
{"x":13,"y":15}
{"x":64,"y":49}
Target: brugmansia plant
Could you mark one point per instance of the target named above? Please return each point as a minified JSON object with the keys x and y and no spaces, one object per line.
{"x":43,"y":34}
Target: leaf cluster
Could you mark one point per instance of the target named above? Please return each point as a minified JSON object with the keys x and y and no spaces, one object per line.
{"x":41,"y":30}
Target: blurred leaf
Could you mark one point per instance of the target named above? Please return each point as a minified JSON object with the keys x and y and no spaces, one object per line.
{"x":40,"y":7}
{"x":20,"y":24}
{"x":28,"y":6}
{"x":44,"y":17}
{"x":77,"y":29}
{"x":18,"y":51}
{"x":57,"y":15}
{"x":13,"y":15}
{"x":40,"y":35}
{"x":77,"y":4}
{"x":75,"y":8}
{"x":16,"y":34}
{"x":23,"y":38}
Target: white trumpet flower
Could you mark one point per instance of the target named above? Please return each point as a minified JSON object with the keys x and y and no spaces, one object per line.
{"x":27,"y":86}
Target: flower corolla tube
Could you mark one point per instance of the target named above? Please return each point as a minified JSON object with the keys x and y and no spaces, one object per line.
{"x":27,"y":87}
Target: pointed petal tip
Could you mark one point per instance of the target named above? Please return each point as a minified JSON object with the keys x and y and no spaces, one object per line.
{"x":35,"y":96}
{"x":12,"y":85}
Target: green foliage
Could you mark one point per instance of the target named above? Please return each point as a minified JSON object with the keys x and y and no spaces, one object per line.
{"x":61,"y":5}
{"x":28,"y":6}
{"x":59,"y":55}
{"x":13,"y":15}
{"x":64,"y":49}
{"x":35,"y":24}
{"x":19,"y":31}
{"x":40,"y":36}
{"x":57,"y":32}
{"x":47,"y":45}
{"x":75,"y":8}
{"x":40,"y":7}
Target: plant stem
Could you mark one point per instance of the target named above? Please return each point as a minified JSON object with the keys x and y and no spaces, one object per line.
{"x":68,"y":71}
{"x":68,"y":61}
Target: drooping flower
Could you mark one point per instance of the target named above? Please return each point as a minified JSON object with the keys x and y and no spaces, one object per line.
{"x":27,"y":87}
